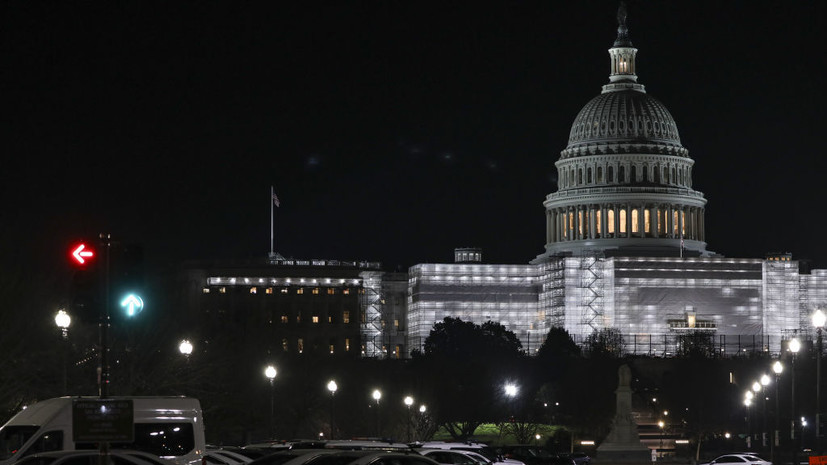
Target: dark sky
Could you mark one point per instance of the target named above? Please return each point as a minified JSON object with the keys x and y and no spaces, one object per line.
{"x":392,"y":131}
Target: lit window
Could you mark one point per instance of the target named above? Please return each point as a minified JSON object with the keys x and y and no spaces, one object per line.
{"x":647,"y":221}
{"x":206,"y":290}
{"x":315,"y":291}
{"x":347,"y":344}
{"x":396,"y":324}
{"x":635,"y":219}
{"x":284,"y":290}
{"x":580,"y":222}
{"x":300,"y":345}
{"x":623,"y":221}
{"x":330,"y":319}
{"x":345,"y":291}
{"x":315,"y":319}
{"x":298,"y":318}
{"x":598,"y":219}
{"x":284,"y":345}
{"x":284,"y":319}
{"x":331,"y":291}
{"x":331,"y":349}
{"x":397,"y":351}
{"x":222,"y":290}
{"x":610,"y":217}
{"x":269,"y":290}
{"x":345,"y":316}
{"x":253,"y":290}
{"x":300,"y":290}
{"x":675,"y":222}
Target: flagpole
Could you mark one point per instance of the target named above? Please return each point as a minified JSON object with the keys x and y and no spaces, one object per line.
{"x":272,"y":194}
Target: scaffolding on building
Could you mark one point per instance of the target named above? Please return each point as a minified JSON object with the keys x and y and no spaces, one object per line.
{"x":371,"y":310}
{"x":592,"y":292}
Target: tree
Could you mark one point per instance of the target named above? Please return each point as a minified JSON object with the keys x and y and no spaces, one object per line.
{"x":558,"y":345}
{"x":466,"y":365}
{"x":605,"y":343}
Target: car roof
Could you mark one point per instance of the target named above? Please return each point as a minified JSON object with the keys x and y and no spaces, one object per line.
{"x":59,"y":455}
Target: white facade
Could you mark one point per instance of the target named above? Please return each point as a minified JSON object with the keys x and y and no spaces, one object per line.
{"x":625,"y":248}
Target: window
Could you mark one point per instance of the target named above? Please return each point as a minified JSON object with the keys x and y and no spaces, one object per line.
{"x":299,"y":318}
{"x":600,"y":173}
{"x":610,"y":174}
{"x":222,"y":290}
{"x":269,"y":290}
{"x":610,"y":218}
{"x":330,"y":318}
{"x":331,"y":291}
{"x":331,"y":349}
{"x":396,"y":324}
{"x":284,"y":345}
{"x":315,"y":319}
{"x":598,"y":217}
{"x":284,"y":318}
{"x":206,"y":290}
{"x":300,"y":290}
{"x":647,"y":227}
{"x":635,"y":220}
{"x":284,"y":290}
{"x":253,"y":290}
{"x":345,"y":316}
{"x":315,"y":291}
{"x":346,"y":291}
{"x":347,"y":344}
{"x":163,"y":439}
{"x":300,"y":345}
{"x":589,"y":175}
{"x":621,"y":174}
{"x":47,"y":442}
{"x":623,"y":221}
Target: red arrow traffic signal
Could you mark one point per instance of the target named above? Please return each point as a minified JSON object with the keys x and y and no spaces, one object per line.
{"x":81,"y":254}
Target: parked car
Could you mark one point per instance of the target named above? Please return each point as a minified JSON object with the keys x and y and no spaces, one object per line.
{"x":483,"y":449}
{"x":744,"y":459}
{"x":454,"y":457}
{"x":81,"y":457}
{"x":225,"y":457}
{"x":580,"y":458}
{"x":533,"y":455}
{"x":369,"y":457}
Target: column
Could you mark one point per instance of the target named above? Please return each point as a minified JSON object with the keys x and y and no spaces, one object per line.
{"x":592,"y":222}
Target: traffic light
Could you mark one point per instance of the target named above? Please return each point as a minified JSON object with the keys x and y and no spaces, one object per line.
{"x":86,"y":281}
{"x":127,"y":280}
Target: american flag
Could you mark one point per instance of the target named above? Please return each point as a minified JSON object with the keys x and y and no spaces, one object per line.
{"x":276,"y":200}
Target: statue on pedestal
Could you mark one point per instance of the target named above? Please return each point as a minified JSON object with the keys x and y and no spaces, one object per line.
{"x":623,"y":442}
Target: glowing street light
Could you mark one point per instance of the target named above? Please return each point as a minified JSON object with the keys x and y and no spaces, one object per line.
{"x":408,"y":402}
{"x":270,"y":373}
{"x":332,"y":387}
{"x":819,"y":319}
{"x":377,"y":395}
{"x":185,"y":347}
{"x":63,"y":321}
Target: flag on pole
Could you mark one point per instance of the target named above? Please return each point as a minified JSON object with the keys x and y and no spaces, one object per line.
{"x":276,"y":200}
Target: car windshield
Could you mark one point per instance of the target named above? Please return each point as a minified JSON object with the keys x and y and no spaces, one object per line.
{"x":13,"y":437}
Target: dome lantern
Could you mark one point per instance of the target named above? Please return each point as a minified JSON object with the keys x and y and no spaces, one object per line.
{"x":622,"y":56}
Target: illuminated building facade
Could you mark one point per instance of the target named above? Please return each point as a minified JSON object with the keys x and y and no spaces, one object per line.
{"x":625,"y":248}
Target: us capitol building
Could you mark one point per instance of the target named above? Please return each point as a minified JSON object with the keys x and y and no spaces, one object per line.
{"x":625,"y":247}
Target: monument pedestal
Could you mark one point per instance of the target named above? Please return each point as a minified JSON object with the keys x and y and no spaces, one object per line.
{"x":623,"y":445}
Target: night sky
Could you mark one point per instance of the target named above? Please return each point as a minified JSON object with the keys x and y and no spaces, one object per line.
{"x":392,"y":131}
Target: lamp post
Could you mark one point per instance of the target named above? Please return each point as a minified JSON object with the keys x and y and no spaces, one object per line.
{"x":819,"y":318}
{"x":185,"y":347}
{"x":661,"y":425}
{"x":794,"y":345}
{"x":63,"y":321}
{"x":377,"y":394}
{"x":747,"y":403}
{"x":270,"y":373}
{"x":765,"y":381}
{"x":756,"y":388}
{"x":408,"y":402}
{"x":332,"y":387}
{"x":510,"y":390}
{"x":777,"y":368}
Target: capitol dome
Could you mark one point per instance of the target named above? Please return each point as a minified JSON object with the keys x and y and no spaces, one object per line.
{"x":624,"y":180}
{"x":623,"y":116}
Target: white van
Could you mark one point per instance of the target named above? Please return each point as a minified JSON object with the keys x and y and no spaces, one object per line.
{"x":169,"y":427}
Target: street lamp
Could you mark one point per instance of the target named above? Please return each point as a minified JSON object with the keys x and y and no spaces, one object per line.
{"x":270,"y":373}
{"x":377,"y":394}
{"x":63,"y":320}
{"x":408,"y":402}
{"x":510,"y":390}
{"x":765,"y":381}
{"x":185,"y":347}
{"x":747,"y":403}
{"x":819,"y":318}
{"x":332,"y":387}
{"x":794,"y":346}
{"x":756,"y":388}
{"x":777,"y":368}
{"x":661,"y":424}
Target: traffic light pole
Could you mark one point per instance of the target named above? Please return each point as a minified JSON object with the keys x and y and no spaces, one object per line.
{"x":104,"y":323}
